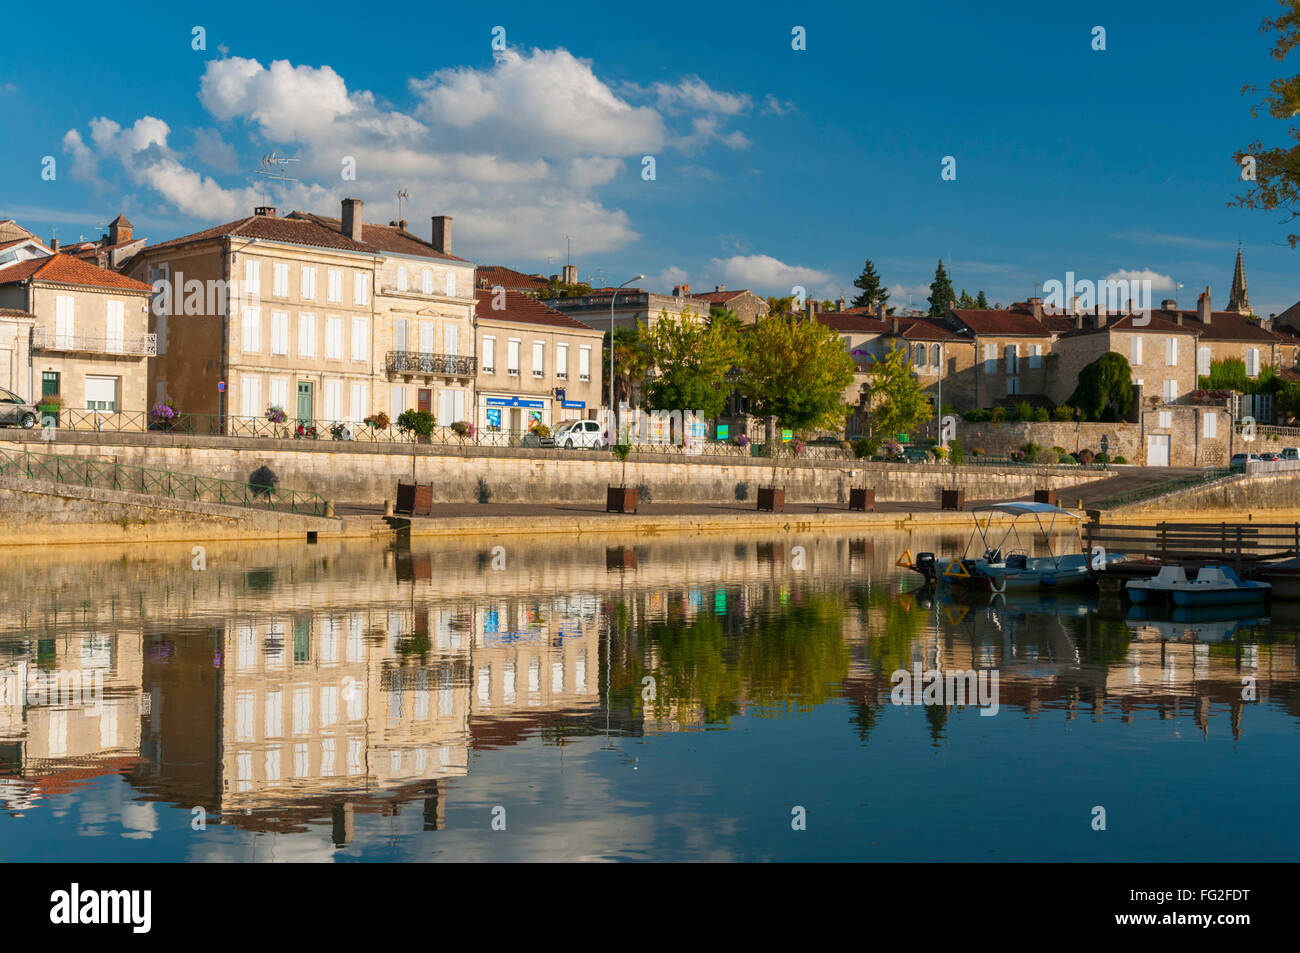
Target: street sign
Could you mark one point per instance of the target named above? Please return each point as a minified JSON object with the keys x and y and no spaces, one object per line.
{"x":724,"y":431}
{"x":903,"y":438}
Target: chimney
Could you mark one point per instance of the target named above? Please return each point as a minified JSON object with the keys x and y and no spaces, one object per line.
{"x":1169,"y":304}
{"x":570,"y":271}
{"x":1203,"y":307}
{"x":1036,"y":308}
{"x":1101,"y":315}
{"x":351,"y":222}
{"x":54,"y":244}
{"x":839,"y":305}
{"x":880,"y":311}
{"x":719,"y":288}
{"x":1078,"y":320}
{"x":677,"y":291}
{"x":895,"y":326}
{"x":1179,"y":318}
{"x":119,"y":230}
{"x":442,"y":233}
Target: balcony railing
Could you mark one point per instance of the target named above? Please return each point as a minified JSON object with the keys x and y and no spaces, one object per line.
{"x":140,"y":345}
{"x":421,"y":362}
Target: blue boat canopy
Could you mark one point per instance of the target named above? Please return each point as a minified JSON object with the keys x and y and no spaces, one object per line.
{"x":1020,"y":509}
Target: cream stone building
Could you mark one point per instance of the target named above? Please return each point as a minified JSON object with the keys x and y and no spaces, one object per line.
{"x":535,"y":364}
{"x":330,"y":320}
{"x":88,"y":340}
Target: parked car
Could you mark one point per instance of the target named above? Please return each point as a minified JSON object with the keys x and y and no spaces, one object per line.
{"x":915,"y":455}
{"x":1291,"y":453}
{"x":579,"y":434}
{"x":15,"y":410}
{"x":1270,"y":456}
{"x":1239,"y":460}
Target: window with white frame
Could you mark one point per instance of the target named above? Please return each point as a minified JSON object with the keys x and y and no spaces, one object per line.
{"x":451,"y":284}
{"x":1210,"y":424}
{"x":1171,"y":351}
{"x":360,"y":398}
{"x":426,"y":282}
{"x":252,"y":276}
{"x":512,"y":357}
{"x":918,"y":356}
{"x":990,"y":358}
{"x":1203,"y":361}
{"x":335,"y":277}
{"x":279,"y":393}
{"x":1166,"y":420}
{"x":1252,"y":362}
{"x":306,"y":335}
{"x":401,"y":332}
{"x":360,"y":288}
{"x":115,"y":326}
{"x":280,"y":279}
{"x":1035,"y":356}
{"x":334,"y":340}
{"x":65,"y":331}
{"x":397,"y":396}
{"x":252,"y":327}
{"x":250,"y":396}
{"x":101,"y":393}
{"x":360,"y":339}
{"x":562,"y":361}
{"x":1170,"y":390}
{"x":934,"y":357}
{"x":401,"y":278}
{"x":451,"y":338}
{"x":334,"y":400}
{"x":584,"y":362}
{"x":1013,"y":360}
{"x":539,"y":352}
{"x":309,"y":283}
{"x":280,"y":332}
{"x":1013,"y":386}
{"x":489,"y":355}
{"x":426,"y":337}
{"x":1136,"y":357}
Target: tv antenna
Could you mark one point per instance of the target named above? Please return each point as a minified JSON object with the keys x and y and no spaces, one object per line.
{"x":271,"y":162}
{"x":401,"y":194}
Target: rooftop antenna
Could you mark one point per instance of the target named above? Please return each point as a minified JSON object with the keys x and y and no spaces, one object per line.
{"x":568,"y":254}
{"x":270,"y":163}
{"x":401,"y":194}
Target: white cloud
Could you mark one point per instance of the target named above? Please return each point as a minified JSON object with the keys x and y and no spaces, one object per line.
{"x":666,"y":280}
{"x":85,"y":167}
{"x":1158,"y":281}
{"x":764,"y":274}
{"x":692,"y":93}
{"x":212,"y":150}
{"x":777,"y":107}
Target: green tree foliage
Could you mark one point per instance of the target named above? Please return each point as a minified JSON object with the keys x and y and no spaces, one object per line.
{"x":964,"y":300}
{"x":554,"y":288}
{"x":419,"y":422}
{"x":1105,"y":390}
{"x":1277,"y":170}
{"x":795,"y":371}
{"x":719,"y":314}
{"x":1230,"y":374}
{"x":981,"y":302}
{"x":690,"y":359}
{"x":897,"y":401}
{"x":782,"y":305}
{"x":631,"y":362}
{"x":941,"y":293}
{"x":872,"y":291}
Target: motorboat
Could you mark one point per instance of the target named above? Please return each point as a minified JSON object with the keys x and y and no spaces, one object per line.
{"x":1213,"y":585}
{"x":1283,"y":576}
{"x":1002,"y":569}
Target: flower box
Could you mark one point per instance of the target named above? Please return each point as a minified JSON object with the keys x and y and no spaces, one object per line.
{"x":862,"y":499}
{"x":771,"y":499}
{"x":414,"y":499}
{"x":952,"y":499}
{"x":621,"y":499}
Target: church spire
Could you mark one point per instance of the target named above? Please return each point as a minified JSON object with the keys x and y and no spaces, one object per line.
{"x":1238,"y":300}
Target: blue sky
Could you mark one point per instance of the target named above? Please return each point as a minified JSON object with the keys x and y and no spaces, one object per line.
{"x":774,"y":167}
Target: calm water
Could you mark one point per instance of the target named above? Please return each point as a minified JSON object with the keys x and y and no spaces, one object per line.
{"x":658,"y":700}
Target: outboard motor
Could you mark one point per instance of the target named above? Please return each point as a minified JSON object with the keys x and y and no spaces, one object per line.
{"x":926,"y":566}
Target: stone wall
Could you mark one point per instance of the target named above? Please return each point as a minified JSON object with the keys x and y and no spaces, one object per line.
{"x":371,"y":475}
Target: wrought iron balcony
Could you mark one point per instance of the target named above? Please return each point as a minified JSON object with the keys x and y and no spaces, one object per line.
{"x":138,"y":345}
{"x":422,"y":362}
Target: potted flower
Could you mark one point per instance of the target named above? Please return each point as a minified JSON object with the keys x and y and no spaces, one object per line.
{"x":276,"y":415}
{"x":623,"y":498}
{"x":417,"y":422}
{"x":162,"y":415}
{"x":379,"y":421}
{"x":49,"y":407}
{"x":305,"y":431}
{"x":742,"y":441}
{"x":463,"y":429}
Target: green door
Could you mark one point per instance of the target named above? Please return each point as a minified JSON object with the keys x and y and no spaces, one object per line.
{"x":49,"y":383}
{"x":304,"y":400}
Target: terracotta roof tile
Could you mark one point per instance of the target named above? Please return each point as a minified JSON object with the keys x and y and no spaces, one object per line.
{"x":64,"y":269}
{"x":524,"y":309}
{"x":859,"y":320}
{"x":1158,"y":323}
{"x":294,"y":231}
{"x":1004,"y":323}
{"x":389,"y":238}
{"x":1223,"y":326}
{"x":489,"y":276}
{"x":15,"y":313}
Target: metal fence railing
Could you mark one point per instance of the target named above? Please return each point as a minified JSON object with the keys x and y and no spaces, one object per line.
{"x":82,"y":471}
{"x":1160,"y":488}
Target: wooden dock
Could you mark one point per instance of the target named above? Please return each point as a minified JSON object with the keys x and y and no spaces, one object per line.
{"x":1148,"y":547}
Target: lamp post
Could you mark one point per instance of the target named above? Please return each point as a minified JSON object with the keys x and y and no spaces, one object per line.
{"x":939,"y":398}
{"x":613,"y":419}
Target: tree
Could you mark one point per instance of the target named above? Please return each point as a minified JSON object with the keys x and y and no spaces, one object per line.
{"x":631,"y":363}
{"x":873,"y":291}
{"x":690,"y":359}
{"x":1277,"y":170}
{"x":896,"y":399}
{"x":981,"y":302}
{"x":964,"y":300}
{"x":783,"y":305}
{"x":796,"y":371}
{"x":717,"y":313}
{"x":941,"y":293}
{"x":554,"y":288}
{"x":1105,"y":388}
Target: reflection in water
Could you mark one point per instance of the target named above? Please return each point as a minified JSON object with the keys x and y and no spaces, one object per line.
{"x":355,"y":700}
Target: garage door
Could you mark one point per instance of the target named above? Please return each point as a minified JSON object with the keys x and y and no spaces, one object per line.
{"x":1158,"y":450}
{"x":101,"y":393}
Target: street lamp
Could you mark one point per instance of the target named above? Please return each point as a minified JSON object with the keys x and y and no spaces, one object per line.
{"x":612,"y":413}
